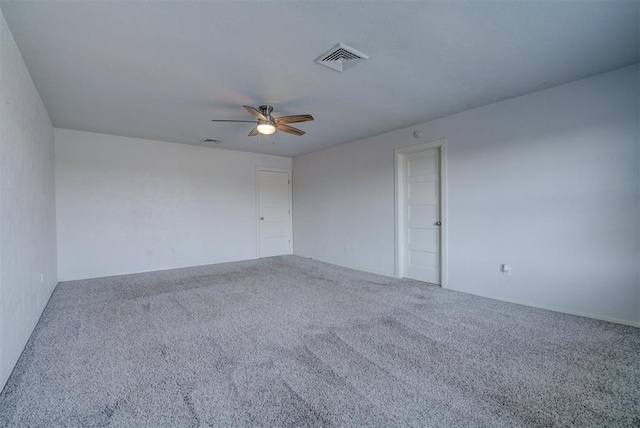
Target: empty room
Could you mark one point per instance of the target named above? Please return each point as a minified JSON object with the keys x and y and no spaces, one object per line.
{"x":319,"y":213}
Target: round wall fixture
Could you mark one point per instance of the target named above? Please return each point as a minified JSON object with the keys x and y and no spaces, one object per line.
{"x":417,"y":133}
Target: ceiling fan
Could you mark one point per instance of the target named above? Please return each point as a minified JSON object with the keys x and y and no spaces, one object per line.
{"x":267,"y":124}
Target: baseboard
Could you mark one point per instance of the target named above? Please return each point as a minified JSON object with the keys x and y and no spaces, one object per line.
{"x":160,"y":269}
{"x":376,"y":272}
{"x":554,"y":309}
{"x":9,"y":370}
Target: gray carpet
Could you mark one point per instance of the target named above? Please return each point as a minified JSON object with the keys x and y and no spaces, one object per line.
{"x":288,"y":341}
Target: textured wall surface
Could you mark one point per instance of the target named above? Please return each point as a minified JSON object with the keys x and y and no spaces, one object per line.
{"x":27,"y":205}
{"x":547,"y":182}
{"x":127,"y":205}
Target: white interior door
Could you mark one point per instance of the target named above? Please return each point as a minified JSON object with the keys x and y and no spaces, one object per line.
{"x":274,"y":213}
{"x":421,"y":209}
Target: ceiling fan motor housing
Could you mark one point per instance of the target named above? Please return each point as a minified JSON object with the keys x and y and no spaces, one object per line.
{"x":266,"y":111}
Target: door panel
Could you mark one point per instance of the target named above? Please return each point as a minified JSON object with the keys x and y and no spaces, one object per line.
{"x":274,"y":213}
{"x":422,"y":215}
{"x":421,"y":206}
{"x":422,"y":165}
{"x":424,"y":240}
{"x":423,"y":192}
{"x":423,"y":259}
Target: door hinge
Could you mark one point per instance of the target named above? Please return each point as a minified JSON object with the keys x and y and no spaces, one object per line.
{"x":288,"y":181}
{"x":289,"y":211}
{"x":289,"y":241}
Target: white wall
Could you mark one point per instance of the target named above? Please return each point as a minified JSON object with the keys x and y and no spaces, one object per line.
{"x":547,"y":182}
{"x":27,"y":207}
{"x":128,"y":205}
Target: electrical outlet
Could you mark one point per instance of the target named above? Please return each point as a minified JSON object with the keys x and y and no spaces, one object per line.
{"x":346,"y":248}
{"x":506,"y":270}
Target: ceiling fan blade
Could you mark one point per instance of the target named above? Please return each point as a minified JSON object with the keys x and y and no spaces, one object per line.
{"x":255,"y":113}
{"x":289,"y":129}
{"x":253,"y":132}
{"x":294,"y":119}
{"x":224,"y":120}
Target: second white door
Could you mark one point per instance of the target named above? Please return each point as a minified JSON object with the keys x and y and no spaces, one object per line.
{"x":274,"y":213}
{"x":421,"y":207}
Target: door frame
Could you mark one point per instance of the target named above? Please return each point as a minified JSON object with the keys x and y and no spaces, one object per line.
{"x":399,"y":211}
{"x":267,"y":169}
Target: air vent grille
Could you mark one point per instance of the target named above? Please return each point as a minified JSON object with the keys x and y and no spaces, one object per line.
{"x":340,"y":57}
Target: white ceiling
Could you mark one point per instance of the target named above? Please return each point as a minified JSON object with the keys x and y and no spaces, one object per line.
{"x":162,"y":70}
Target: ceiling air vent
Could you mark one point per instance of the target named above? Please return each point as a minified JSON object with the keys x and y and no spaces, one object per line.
{"x":340,"y":57}
{"x":210,"y":141}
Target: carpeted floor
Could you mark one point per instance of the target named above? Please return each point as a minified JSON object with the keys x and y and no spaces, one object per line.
{"x":287,"y":341}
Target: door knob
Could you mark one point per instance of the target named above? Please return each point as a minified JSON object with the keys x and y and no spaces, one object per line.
{"x":438,"y":223}
{"x":261,"y":218}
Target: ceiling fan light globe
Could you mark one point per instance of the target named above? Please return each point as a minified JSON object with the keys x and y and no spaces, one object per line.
{"x":266,"y":128}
